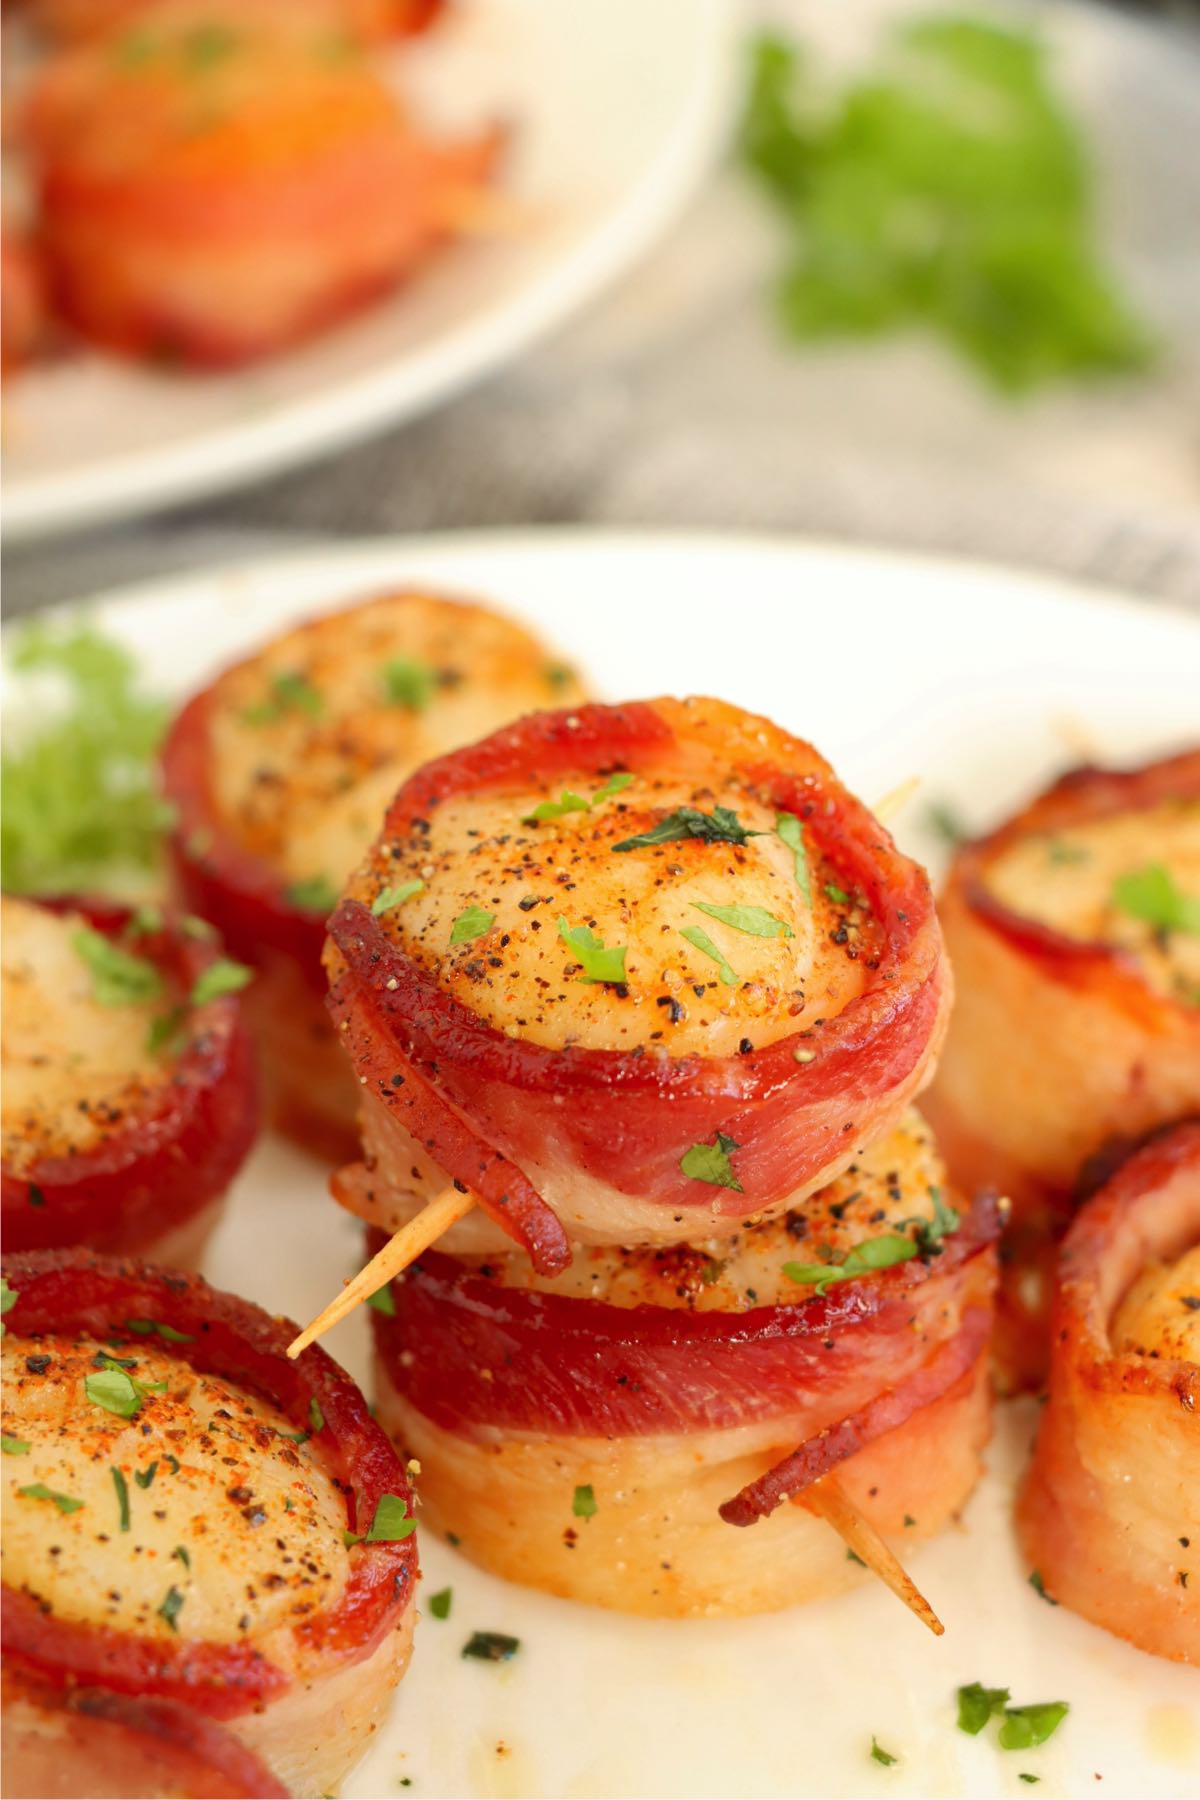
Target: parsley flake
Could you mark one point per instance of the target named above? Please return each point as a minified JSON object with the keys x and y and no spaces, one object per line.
{"x":144,"y":1477}
{"x":882,"y":1252}
{"x":1153,"y":896}
{"x":122,"y":1487}
{"x":491,"y":1646}
{"x":1025,"y":1727}
{"x":710,"y":1162}
{"x":718,"y":827}
{"x":755,"y":921}
{"x":1039,"y":1587}
{"x":383,"y":1301}
{"x":838,"y":895}
{"x":224,"y":976}
{"x":171,"y":1608}
{"x":598,"y":962}
{"x":440,"y":1603}
{"x":570,"y":802}
{"x":390,"y":1525}
{"x":14,"y":1446}
{"x":8,"y":1299}
{"x":408,"y":683}
{"x":791,"y":832}
{"x":118,"y":978}
{"x":118,"y":1392}
{"x":880,"y":1755}
{"x":39,"y":1491}
{"x":289,"y":693}
{"x":977,"y":1703}
{"x":153,"y":1328}
{"x":389,"y":897}
{"x":471,"y":924}
{"x":701,"y":941}
{"x":315,"y":894}
{"x":584,"y":1504}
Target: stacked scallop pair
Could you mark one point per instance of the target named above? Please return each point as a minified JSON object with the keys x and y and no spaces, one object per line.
{"x":209,"y":1560}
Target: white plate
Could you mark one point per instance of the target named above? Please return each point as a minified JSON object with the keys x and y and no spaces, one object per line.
{"x":983,"y":683}
{"x":618,"y":108}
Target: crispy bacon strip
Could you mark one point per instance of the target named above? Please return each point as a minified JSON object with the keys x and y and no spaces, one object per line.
{"x":1109,"y":1514}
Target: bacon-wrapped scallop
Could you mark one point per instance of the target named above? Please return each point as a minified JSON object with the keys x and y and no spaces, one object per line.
{"x":191,"y":1517}
{"x":63,"y":1741}
{"x":215,"y":189}
{"x":629,"y":975}
{"x":1110,"y":1511}
{"x":129,"y":1097}
{"x":1074,"y":930}
{"x":597,"y":1434}
{"x":280,"y":772}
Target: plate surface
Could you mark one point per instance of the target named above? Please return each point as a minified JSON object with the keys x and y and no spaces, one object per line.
{"x":617,"y":108}
{"x":983,"y":683}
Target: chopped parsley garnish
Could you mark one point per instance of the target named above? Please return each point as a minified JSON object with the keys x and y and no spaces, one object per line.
{"x":118,"y":978}
{"x":471,"y":924}
{"x":8,"y":1299}
{"x":168,"y":1032}
{"x":408,"y":683}
{"x":1024,"y":1727}
{"x":79,"y":799}
{"x":880,"y":1755}
{"x":584,"y":1503}
{"x":180,"y":1554}
{"x":930,"y":1233}
{"x":710,"y":1162}
{"x":1028,"y":1778}
{"x":122,"y":1487}
{"x":316,"y":1418}
{"x":945,"y":823}
{"x":315,"y":894}
{"x":755,"y":921}
{"x":790,"y":831}
{"x":117,"y":1392}
{"x":383,"y":1300}
{"x":439,"y":1603}
{"x":144,"y":1477}
{"x":977,"y":1703}
{"x":152,"y":1328}
{"x":882,"y":1252}
{"x":569,"y":801}
{"x":1153,"y":896}
{"x":491,"y":1646}
{"x":14,"y":1446}
{"x":599,"y":963}
{"x":701,"y":941}
{"x":290,"y":693}
{"x":39,"y":1491}
{"x":224,"y":976}
{"x":947,"y":189}
{"x":838,"y":895}
{"x":171,"y":1608}
{"x":1039,"y":1588}
{"x":557,"y":675}
{"x":389,"y":897}
{"x":145,"y":921}
{"x":192,"y":926}
{"x":390,"y":1525}
{"x":718,"y":827}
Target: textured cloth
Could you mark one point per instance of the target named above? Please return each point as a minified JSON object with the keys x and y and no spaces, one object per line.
{"x":675,"y":400}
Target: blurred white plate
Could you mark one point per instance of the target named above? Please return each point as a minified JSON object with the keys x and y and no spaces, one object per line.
{"x":617,"y":109}
{"x":984,"y":683}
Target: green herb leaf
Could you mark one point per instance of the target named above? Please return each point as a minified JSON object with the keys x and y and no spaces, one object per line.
{"x":945,"y":823}
{"x":14,"y":1446}
{"x":79,"y":799}
{"x":931,"y":1233}
{"x":791,"y":832}
{"x":838,"y":895}
{"x":289,"y":693}
{"x":122,"y":1487}
{"x":718,"y":827}
{"x":168,"y":1032}
{"x":1028,"y":1778}
{"x":882,"y":1252}
{"x":439,"y":1603}
{"x":584,"y":1503}
{"x":755,"y":921}
{"x":946,"y":188}
{"x":181,"y":1555}
{"x":224,"y":976}
{"x":8,"y":1299}
{"x":145,"y":921}
{"x":1039,"y":1587}
{"x":471,"y":924}
{"x":383,"y":1301}
{"x":171,"y":1608}
{"x":317,"y":894}
{"x":144,"y":1477}
{"x":598,"y":963}
{"x":976,"y":1705}
{"x":880,"y":1755}
{"x":389,"y":897}
{"x":701,"y":941}
{"x":192,"y":926}
{"x":117,"y":1392}
{"x":408,"y":683}
{"x":616,"y":784}
{"x":491,"y":1646}
{"x":1153,"y":896}
{"x":710,"y":1162}
{"x":390,"y":1525}
{"x":118,"y":979}
{"x":316,"y":1418}
{"x":39,"y":1491}
{"x":558,"y":675}
{"x":568,"y":802}
{"x":152,"y":1328}
{"x":1025,"y":1727}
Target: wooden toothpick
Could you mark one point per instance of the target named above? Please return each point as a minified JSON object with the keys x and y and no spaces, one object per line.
{"x":829,"y":1500}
